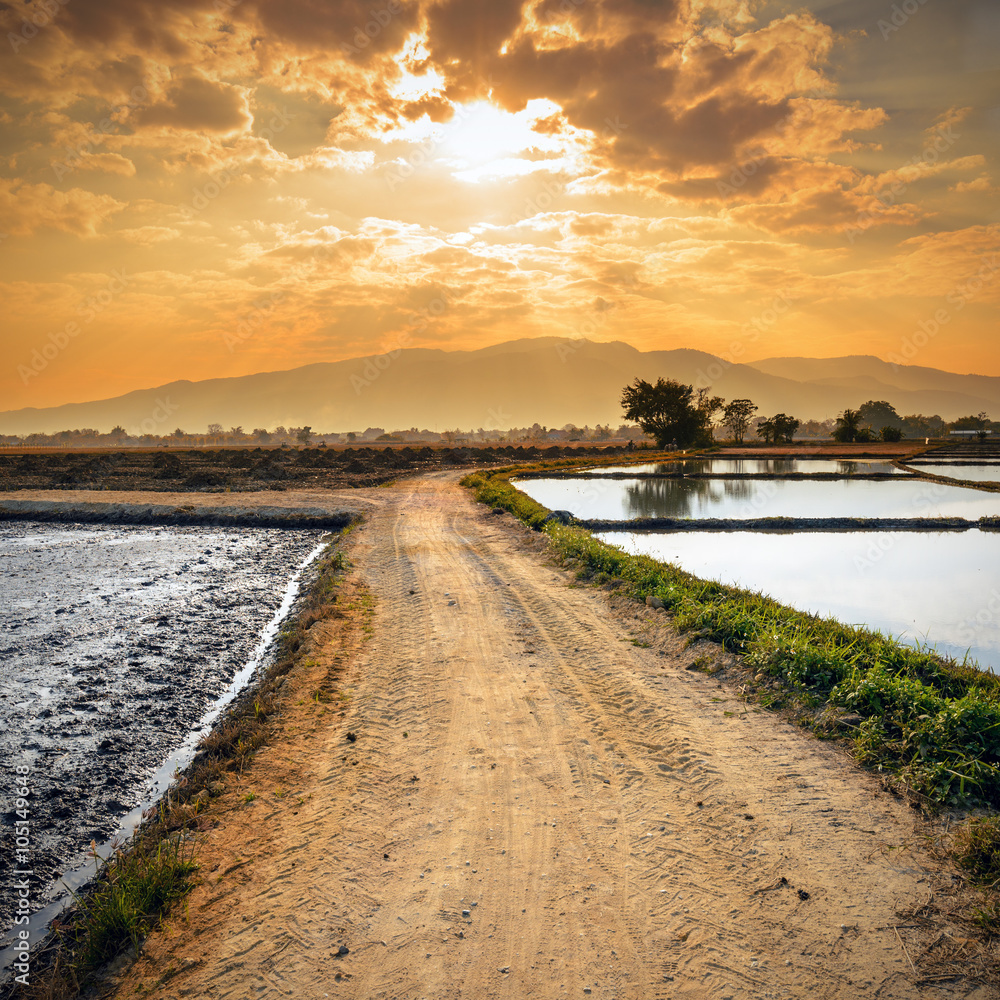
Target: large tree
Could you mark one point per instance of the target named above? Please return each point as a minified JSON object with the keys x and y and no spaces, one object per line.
{"x":877,"y":413}
{"x":737,"y":416}
{"x":669,"y":412}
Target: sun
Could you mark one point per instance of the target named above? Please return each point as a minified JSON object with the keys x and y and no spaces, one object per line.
{"x":481,"y":132}
{"x":484,"y":141}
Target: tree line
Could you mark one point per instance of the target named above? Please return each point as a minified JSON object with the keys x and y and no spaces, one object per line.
{"x":676,"y":415}
{"x":216,"y":435}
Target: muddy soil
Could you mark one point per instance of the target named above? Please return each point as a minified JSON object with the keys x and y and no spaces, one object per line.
{"x":250,"y":469}
{"x":115,"y":641}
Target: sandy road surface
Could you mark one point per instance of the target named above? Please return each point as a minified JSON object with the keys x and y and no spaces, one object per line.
{"x":536,"y":807}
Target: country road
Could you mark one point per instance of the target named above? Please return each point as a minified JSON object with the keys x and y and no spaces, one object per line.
{"x":541,"y":801}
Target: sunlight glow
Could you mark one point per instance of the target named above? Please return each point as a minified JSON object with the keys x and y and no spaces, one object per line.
{"x":481,"y":133}
{"x":483,"y":141}
{"x":410,"y":87}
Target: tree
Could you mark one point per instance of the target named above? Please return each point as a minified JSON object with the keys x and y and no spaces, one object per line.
{"x":917,"y":425}
{"x":303,"y":434}
{"x":667,"y":412}
{"x":765,"y":429}
{"x":892,"y":433}
{"x":215,"y":430}
{"x":971,"y":423}
{"x":847,"y":427}
{"x":737,"y":416}
{"x":878,"y":414}
{"x":262,"y":434}
{"x":784,"y":427}
{"x":979,"y":423}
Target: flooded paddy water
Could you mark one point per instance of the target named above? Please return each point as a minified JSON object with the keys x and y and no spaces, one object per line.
{"x":118,"y":644}
{"x":937,"y":588}
{"x":625,"y":499}
{"x":973,"y":472}
{"x":754,"y":466}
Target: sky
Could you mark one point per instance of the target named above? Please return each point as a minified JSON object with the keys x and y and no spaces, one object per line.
{"x":205,"y":188}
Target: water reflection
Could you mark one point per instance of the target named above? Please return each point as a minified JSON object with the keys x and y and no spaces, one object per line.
{"x":684,"y":498}
{"x":753,"y":467}
{"x":624,"y":499}
{"x":941,"y":588}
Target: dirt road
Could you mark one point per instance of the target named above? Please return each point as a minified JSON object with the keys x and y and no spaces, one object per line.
{"x":535,"y":806}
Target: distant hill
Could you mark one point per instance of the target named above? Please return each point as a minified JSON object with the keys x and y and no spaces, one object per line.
{"x":551,"y":381}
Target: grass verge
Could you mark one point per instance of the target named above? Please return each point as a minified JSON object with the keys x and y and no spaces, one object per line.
{"x":929,"y":723}
{"x":136,"y":887}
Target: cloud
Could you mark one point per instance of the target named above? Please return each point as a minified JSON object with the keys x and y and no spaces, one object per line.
{"x":148,"y":235}
{"x":106,"y":163}
{"x":360,"y":30}
{"x":657,"y":163}
{"x":825,"y":210}
{"x":26,"y":208}
{"x":981,"y":184}
{"x":659,"y":95}
{"x":933,"y":265}
{"x":197,"y":104}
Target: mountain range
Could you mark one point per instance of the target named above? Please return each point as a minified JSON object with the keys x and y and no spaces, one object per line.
{"x":550,"y":381}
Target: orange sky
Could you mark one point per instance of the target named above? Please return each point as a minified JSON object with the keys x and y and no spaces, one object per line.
{"x":197,"y":188}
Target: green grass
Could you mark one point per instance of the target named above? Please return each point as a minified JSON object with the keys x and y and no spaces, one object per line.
{"x":931,"y":722}
{"x":137,"y":887}
{"x":977,"y":850}
{"x":494,"y":490}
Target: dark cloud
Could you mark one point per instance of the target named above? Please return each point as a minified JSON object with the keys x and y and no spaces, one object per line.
{"x":356,"y":29}
{"x":199,"y":105}
{"x":155,"y":29}
{"x":470,"y":35}
{"x":293,"y":123}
